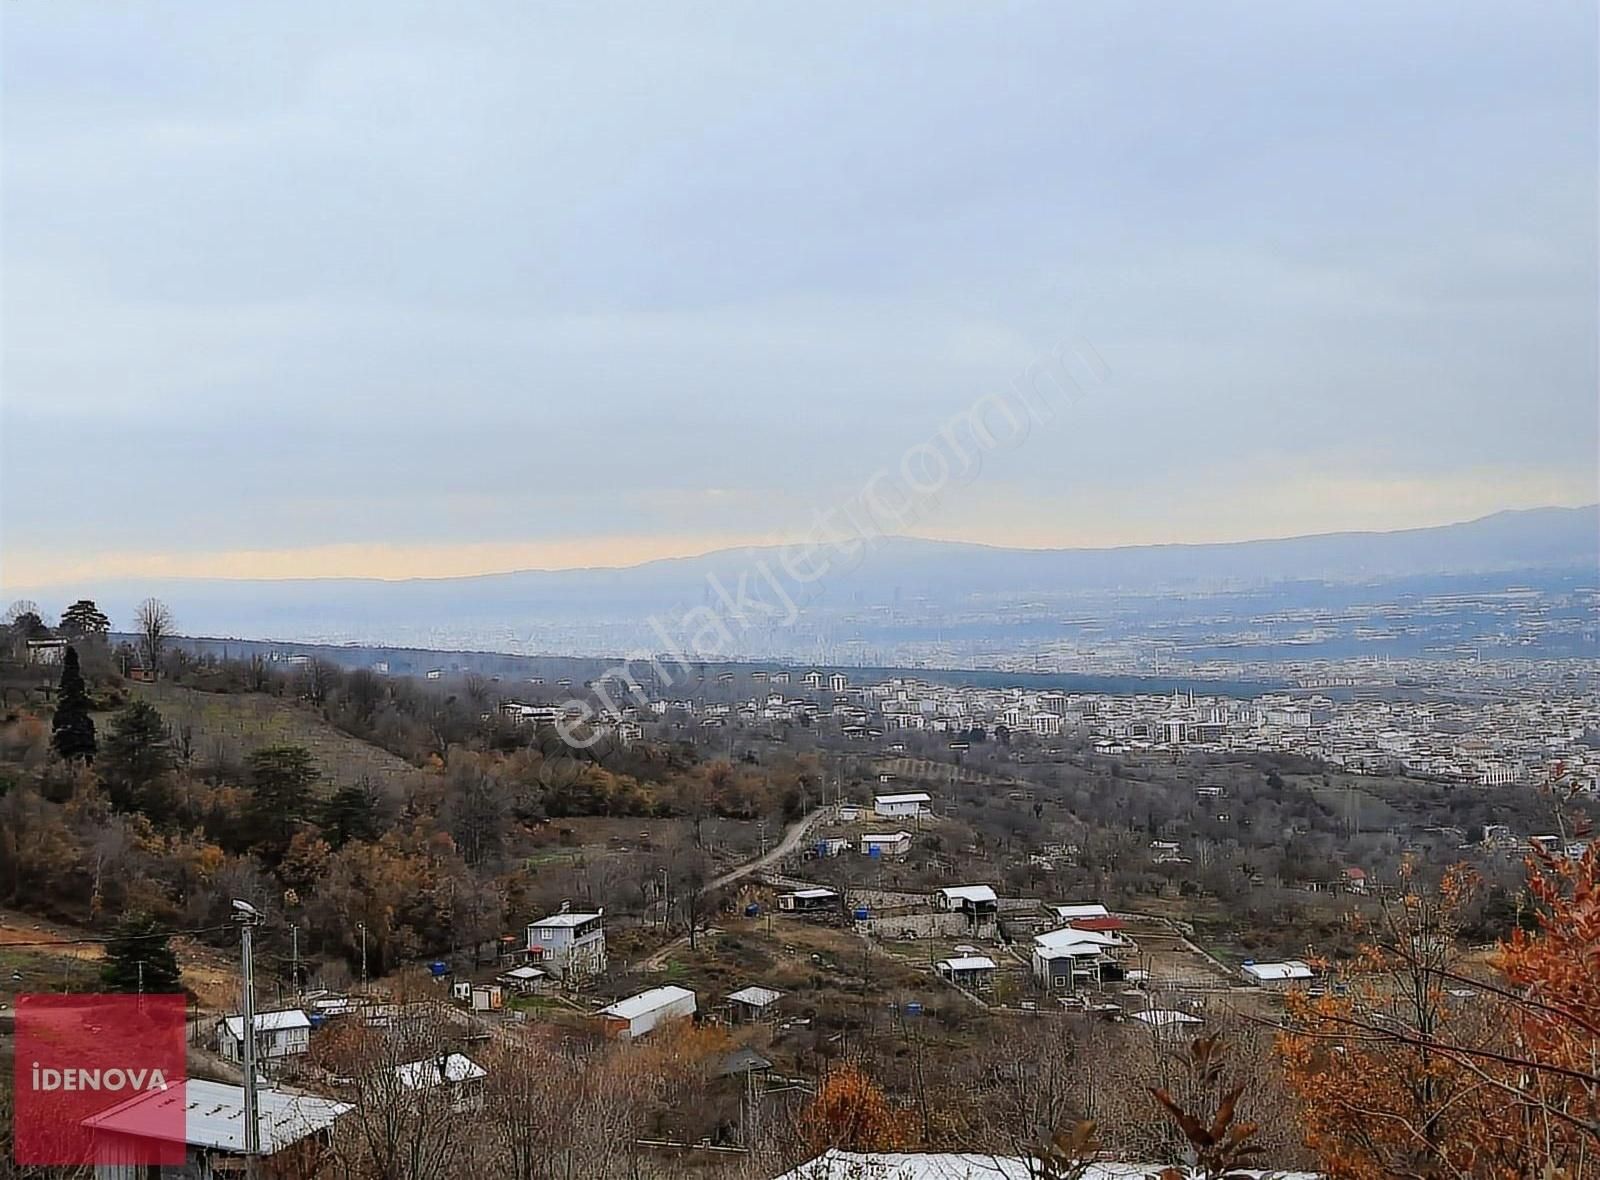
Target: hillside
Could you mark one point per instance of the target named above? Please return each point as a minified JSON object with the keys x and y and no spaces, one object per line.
{"x":224,"y":727}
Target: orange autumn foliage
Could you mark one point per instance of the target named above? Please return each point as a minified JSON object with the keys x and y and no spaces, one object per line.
{"x":1430,"y":1066}
{"x":850,"y":1111}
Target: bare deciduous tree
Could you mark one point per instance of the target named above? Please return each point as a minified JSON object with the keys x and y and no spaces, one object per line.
{"x":154,"y":623}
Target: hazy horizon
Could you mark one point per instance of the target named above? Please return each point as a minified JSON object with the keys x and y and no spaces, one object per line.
{"x":780,"y":542}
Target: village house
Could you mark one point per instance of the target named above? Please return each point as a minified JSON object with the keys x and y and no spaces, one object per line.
{"x":978,"y":903}
{"x":911,"y":804}
{"x":568,"y":945}
{"x":278,"y":1035}
{"x":751,"y":1005}
{"x":211,"y":1116}
{"x":890,"y":844}
{"x":454,"y":1073}
{"x":1069,"y":959}
{"x":637,"y":1015}
{"x":973,"y":972}
{"x":1286,"y":976}
{"x":48,"y":652}
{"x":809,"y":901}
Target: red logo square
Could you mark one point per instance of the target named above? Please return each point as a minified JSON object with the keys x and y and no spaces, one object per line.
{"x":100,"y":1079}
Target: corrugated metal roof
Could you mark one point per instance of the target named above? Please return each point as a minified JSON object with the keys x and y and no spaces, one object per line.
{"x":565,"y":920}
{"x":1293,"y":969}
{"x":269,"y":1022}
{"x":968,"y":963}
{"x":969,"y":892}
{"x":431,"y":1071}
{"x":758,"y":997}
{"x":214,"y":1115}
{"x":849,"y":1165}
{"x":636,"y":1006}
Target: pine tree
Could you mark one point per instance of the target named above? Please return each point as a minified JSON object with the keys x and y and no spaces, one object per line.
{"x":352,"y":814}
{"x":281,"y":778}
{"x":140,"y":958}
{"x":83,"y":618}
{"x":137,"y":756}
{"x":72,"y":731}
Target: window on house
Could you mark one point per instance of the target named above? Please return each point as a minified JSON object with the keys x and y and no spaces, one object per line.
{"x":547,"y":935}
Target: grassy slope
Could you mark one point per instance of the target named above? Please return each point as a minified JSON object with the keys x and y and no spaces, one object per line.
{"x":242,"y":722}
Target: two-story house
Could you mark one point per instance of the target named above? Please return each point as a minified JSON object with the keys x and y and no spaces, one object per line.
{"x":568,"y":945}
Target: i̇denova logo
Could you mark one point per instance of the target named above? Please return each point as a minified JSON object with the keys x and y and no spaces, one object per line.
{"x":99,"y":1079}
{"x":112,"y":1079}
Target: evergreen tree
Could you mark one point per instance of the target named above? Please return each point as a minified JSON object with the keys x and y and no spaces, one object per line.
{"x":352,"y":814}
{"x":281,"y":778}
{"x":139,"y":958}
{"x":72,"y":731}
{"x":83,"y":618}
{"x":136,"y":759}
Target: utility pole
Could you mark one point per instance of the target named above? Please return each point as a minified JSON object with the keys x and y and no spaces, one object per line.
{"x":248,"y":918}
{"x":362,"y":926}
{"x":294,"y":959}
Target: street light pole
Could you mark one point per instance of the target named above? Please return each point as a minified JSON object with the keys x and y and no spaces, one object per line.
{"x":248,"y":918}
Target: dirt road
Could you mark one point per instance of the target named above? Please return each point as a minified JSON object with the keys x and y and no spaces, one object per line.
{"x":792,"y":835}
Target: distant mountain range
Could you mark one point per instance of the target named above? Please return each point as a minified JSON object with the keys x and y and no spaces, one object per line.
{"x":599,"y":608}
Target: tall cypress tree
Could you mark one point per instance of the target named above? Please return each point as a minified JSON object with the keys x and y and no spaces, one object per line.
{"x":72,"y":731}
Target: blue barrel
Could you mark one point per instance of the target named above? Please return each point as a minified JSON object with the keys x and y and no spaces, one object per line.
{"x":438,"y":968}
{"x":752,"y":910}
{"x":862,"y":913}
{"x":913,"y":1009}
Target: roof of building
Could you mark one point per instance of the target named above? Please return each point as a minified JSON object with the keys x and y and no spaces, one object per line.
{"x":646,"y":1002}
{"x":214,"y":1115}
{"x":269,"y":1022}
{"x":1165,"y":1017}
{"x":1085,"y":910}
{"x":756,"y":997}
{"x":880,"y":838}
{"x":432,"y":1071}
{"x":742,"y":1060}
{"x":911,"y":797}
{"x":1292,"y":969}
{"x":567,"y":919}
{"x":813,"y":893}
{"x":967,"y":963}
{"x":1104,"y":925}
{"x":969,"y":892}
{"x":524,"y":973}
{"x":848,"y":1165}
{"x":1071,"y":936}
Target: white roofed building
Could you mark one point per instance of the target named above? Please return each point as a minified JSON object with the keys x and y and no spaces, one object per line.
{"x":1279,"y":976}
{"x":912,"y":804}
{"x":568,"y":945}
{"x":278,"y":1034}
{"x":640,"y":1014}
{"x":213,"y":1128}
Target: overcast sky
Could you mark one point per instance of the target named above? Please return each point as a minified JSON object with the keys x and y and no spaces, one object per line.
{"x":396,"y":290}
